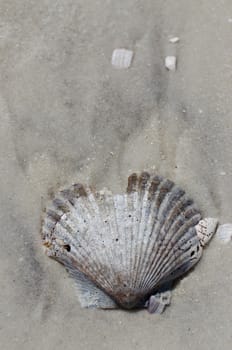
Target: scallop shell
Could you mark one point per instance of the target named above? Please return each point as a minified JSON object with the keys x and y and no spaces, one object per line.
{"x":122,"y":249}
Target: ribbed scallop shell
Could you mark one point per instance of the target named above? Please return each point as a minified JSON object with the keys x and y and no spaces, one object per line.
{"x":130,"y":244}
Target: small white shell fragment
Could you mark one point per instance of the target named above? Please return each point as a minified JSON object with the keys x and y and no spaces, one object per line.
{"x":206,"y":229}
{"x":158,"y":302}
{"x":174,"y":40}
{"x":122,"y":58}
{"x":224,"y":233}
{"x":170,"y":63}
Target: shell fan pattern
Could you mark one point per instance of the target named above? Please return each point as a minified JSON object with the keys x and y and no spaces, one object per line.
{"x":124,"y":250}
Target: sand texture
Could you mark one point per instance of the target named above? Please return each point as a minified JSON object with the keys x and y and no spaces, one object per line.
{"x":67,"y":115}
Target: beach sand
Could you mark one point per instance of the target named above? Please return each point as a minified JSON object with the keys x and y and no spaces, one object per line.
{"x":67,"y":115}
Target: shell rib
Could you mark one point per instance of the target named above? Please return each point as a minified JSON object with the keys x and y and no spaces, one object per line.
{"x":129,"y":244}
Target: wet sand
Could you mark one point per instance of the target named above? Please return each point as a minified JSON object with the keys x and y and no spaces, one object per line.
{"x":67,"y":115}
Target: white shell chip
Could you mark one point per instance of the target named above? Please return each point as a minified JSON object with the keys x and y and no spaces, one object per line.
{"x":206,"y":229}
{"x":174,"y":40}
{"x":122,"y":58}
{"x":170,"y":63}
{"x":224,"y":233}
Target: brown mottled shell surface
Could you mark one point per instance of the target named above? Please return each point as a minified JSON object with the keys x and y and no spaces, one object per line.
{"x":129,"y":245}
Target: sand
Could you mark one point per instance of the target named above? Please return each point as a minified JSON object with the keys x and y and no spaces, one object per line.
{"x":68,"y":115}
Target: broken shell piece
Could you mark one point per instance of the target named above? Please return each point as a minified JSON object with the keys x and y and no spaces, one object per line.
{"x":174,"y":40}
{"x":158,"y":302}
{"x":170,"y":63}
{"x":121,"y":58}
{"x":206,"y":229}
{"x":224,"y":233}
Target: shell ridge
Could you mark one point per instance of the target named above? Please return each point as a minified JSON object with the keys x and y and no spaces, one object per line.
{"x":184,"y":264}
{"x":128,"y":235}
{"x":136,"y":235}
{"x":96,"y":201}
{"x":159,"y":245}
{"x":161,"y":193}
{"x":151,"y":213}
{"x":74,"y":254}
{"x":152,"y":219}
{"x":83,"y":254}
{"x":164,"y":204}
{"x":180,"y":206}
{"x":135,"y":202}
{"x":172,"y":244}
{"x":147,"y":235}
{"x":142,"y":192}
{"x":174,"y":195}
{"x":169,"y":204}
{"x":142,"y":232}
{"x":172,"y":233}
{"x":83,"y":206}
{"x":107,"y":225}
{"x":119,"y":204}
{"x":132,"y":202}
{"x":179,"y":254}
{"x":131,"y":199}
{"x":165,"y":201}
{"x":64,"y":231}
{"x":114,"y":232}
